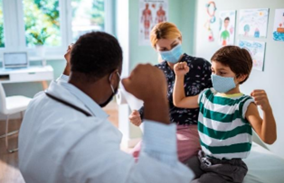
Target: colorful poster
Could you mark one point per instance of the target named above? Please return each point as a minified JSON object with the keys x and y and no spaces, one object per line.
{"x":211,"y":19}
{"x":257,"y":52}
{"x":151,"y":12}
{"x":227,"y":27}
{"x":253,"y":22}
{"x":278,"y":31}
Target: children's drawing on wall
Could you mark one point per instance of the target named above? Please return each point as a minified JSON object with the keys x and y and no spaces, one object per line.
{"x":151,"y":12}
{"x":227,"y":27}
{"x":278,"y":32}
{"x":253,"y":22}
{"x":210,"y":9}
{"x":257,"y":52}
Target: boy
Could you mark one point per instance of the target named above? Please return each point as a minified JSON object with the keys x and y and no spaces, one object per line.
{"x":226,"y":117}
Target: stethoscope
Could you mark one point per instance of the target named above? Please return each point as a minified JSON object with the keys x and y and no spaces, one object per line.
{"x":67,"y":104}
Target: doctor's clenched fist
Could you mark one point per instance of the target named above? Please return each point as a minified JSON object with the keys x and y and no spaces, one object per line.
{"x":148,"y":83}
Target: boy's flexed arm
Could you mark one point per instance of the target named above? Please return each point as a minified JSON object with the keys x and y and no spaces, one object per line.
{"x":266,"y":127}
{"x":179,"y":98}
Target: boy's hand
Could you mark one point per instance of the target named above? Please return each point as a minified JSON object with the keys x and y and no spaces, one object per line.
{"x":261,"y":99}
{"x":181,"y":68}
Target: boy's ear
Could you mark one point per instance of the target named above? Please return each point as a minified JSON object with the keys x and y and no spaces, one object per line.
{"x":241,"y":77}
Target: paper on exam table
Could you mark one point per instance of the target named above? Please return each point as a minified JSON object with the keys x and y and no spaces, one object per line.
{"x":263,"y":166}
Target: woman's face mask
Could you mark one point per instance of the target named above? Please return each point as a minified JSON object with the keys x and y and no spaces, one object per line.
{"x":172,"y":55}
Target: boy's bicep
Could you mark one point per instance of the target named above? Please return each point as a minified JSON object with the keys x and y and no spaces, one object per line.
{"x":253,"y":117}
{"x":189,"y":102}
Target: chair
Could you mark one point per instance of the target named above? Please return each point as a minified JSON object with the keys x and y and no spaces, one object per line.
{"x":8,"y":106}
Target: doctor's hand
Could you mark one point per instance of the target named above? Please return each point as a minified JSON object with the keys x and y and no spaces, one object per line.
{"x":67,"y":56}
{"x":148,"y":83}
{"x":135,"y":118}
{"x":181,"y":68}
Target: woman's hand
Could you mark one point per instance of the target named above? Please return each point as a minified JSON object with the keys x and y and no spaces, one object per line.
{"x":181,"y":68}
{"x":135,"y":118}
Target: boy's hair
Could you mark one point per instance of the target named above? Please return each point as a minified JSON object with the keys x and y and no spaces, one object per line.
{"x":227,"y":18}
{"x":238,"y":59}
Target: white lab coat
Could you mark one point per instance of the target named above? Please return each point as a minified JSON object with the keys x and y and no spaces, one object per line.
{"x":58,"y":144}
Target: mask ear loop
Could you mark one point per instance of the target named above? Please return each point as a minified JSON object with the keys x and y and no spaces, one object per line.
{"x":109,"y":78}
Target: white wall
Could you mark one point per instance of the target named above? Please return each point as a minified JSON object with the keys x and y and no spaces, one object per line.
{"x":272,"y":78}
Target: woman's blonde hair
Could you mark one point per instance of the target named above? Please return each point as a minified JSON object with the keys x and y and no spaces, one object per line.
{"x":164,"y":30}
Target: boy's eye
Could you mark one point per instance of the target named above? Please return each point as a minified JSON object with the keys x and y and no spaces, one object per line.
{"x":222,"y":73}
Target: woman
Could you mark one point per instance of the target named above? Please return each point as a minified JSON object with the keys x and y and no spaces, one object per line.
{"x":166,"y":39}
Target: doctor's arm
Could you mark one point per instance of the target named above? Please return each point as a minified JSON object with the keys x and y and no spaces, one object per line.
{"x":179,"y":98}
{"x":67,"y":55}
{"x":98,"y":159}
{"x":159,"y":148}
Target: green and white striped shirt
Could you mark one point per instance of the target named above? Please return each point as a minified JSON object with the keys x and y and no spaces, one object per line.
{"x":223,"y":129}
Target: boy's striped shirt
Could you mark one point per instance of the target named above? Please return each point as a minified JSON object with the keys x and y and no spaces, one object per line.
{"x":223,"y":130}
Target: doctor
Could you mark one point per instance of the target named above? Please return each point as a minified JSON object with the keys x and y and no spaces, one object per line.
{"x":65,"y":136}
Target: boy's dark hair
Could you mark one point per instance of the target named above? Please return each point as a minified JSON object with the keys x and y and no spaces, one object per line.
{"x":95,"y":55}
{"x":227,"y":18}
{"x":238,"y":59}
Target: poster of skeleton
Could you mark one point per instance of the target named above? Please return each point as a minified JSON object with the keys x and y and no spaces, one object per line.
{"x":151,"y":12}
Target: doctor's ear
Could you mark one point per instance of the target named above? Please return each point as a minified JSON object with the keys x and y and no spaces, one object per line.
{"x":113,"y":77}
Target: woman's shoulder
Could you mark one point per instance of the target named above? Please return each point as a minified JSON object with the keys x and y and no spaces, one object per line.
{"x":162,"y":65}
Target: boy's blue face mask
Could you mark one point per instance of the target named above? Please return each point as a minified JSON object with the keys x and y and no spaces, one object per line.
{"x":222,"y":84}
{"x":173,"y":55}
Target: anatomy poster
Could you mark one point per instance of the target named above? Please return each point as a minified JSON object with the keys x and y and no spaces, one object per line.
{"x":227,"y":27}
{"x":253,"y":22}
{"x":257,"y":52}
{"x":151,"y":12}
{"x":278,"y":31}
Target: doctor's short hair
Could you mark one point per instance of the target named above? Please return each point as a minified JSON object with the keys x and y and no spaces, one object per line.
{"x":238,"y":59}
{"x":95,"y":55}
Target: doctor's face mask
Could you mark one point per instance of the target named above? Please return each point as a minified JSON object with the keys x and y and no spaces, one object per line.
{"x":114,"y":91}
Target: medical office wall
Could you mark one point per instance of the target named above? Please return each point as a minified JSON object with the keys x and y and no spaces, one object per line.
{"x":180,"y":12}
{"x":270,"y":78}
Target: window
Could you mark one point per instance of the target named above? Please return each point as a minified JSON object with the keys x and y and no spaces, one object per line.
{"x":2,"y":41}
{"x":42,"y":25}
{"x":87,"y":15}
{"x":54,"y":24}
